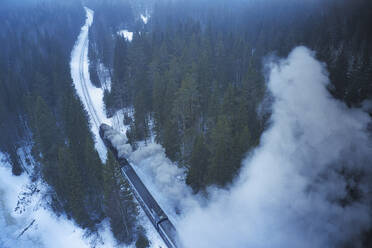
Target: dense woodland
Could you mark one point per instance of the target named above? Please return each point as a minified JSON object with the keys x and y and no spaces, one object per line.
{"x":39,"y":107}
{"x":195,"y":75}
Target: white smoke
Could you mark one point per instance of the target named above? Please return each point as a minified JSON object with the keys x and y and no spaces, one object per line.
{"x":163,"y":179}
{"x":290,"y":190}
{"x":118,"y":140}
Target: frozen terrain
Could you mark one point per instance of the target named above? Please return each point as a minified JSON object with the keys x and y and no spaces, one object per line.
{"x":27,"y":222}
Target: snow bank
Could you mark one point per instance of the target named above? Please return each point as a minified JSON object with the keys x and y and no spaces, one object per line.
{"x":144,"y":18}
{"x":26,"y":159}
{"x":19,"y":208}
{"x":126,"y":34}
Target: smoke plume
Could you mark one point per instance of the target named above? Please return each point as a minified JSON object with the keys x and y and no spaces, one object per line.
{"x":307,"y":185}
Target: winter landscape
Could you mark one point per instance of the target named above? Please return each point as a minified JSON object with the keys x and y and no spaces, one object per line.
{"x":185,"y":123}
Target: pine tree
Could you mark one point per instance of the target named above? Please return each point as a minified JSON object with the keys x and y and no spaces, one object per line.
{"x":119,"y":203}
{"x":171,"y":139}
{"x":187,"y":103}
{"x":46,"y":136}
{"x":221,"y":169}
{"x":70,"y":187}
{"x":198,"y":164}
{"x":142,"y":241}
{"x":142,"y":130}
{"x":93,"y":180}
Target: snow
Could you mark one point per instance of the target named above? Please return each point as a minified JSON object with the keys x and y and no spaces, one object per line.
{"x":104,"y":76}
{"x":126,"y":34}
{"x":19,"y":208}
{"x":26,"y":159}
{"x":145,"y":18}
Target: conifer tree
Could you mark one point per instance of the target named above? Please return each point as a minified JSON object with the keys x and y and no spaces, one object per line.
{"x":220,"y":170}
{"x":198,"y":164}
{"x":119,"y":203}
{"x":71,"y":188}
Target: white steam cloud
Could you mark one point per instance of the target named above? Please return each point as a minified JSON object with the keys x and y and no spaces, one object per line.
{"x":294,"y":190}
{"x":163,"y":179}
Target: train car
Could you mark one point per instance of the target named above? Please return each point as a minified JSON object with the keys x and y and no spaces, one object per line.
{"x":151,"y":208}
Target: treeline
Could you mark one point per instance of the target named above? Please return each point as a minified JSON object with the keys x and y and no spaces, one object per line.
{"x":196,"y":73}
{"x":38,"y":104}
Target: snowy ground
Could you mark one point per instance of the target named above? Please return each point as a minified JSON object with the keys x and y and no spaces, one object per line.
{"x":26,"y":221}
{"x":145,"y":18}
{"x":126,"y":34}
{"x":26,"y":159}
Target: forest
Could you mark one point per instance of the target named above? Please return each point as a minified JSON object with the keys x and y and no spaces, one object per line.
{"x":196,"y":78}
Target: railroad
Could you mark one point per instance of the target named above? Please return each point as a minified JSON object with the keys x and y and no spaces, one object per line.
{"x":93,"y":113}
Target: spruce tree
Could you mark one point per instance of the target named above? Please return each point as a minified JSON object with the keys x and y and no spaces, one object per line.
{"x":119,"y":202}
{"x":198,"y":164}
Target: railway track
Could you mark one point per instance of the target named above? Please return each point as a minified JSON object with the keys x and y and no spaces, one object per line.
{"x":93,"y":113}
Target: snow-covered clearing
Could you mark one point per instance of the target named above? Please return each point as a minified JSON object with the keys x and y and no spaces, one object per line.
{"x":104,"y":77}
{"x":145,"y":18}
{"x":26,"y":220}
{"x":126,"y":34}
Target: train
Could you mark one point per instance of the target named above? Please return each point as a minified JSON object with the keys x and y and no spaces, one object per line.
{"x":154,"y":212}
